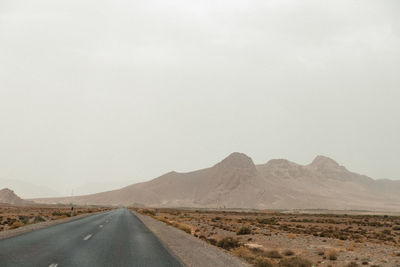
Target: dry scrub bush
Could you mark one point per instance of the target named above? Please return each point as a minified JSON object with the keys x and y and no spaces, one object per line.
{"x":244,"y":231}
{"x":331,"y":254}
{"x":244,"y":253}
{"x":352,"y":264}
{"x":253,"y":256}
{"x":228,"y":243}
{"x":274,"y":254}
{"x":351,"y":247}
{"x":292,"y":236}
{"x":60,"y":214}
{"x":16,"y":224}
{"x":182,"y":227}
{"x":149,"y":212}
{"x":39,"y":219}
{"x":263,"y":262}
{"x":288,"y":252}
{"x":295,"y":262}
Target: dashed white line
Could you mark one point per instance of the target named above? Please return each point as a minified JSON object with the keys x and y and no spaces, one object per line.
{"x":101,"y":226}
{"x":53,"y":265}
{"x":87,"y":237}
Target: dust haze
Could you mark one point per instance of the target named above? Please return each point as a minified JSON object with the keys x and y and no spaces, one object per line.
{"x":110,"y":93}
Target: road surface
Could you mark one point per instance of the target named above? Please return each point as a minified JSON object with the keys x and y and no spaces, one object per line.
{"x":115,"y":238}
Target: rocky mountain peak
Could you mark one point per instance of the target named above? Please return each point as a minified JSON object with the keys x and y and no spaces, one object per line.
{"x":322,"y":161}
{"x":237,"y":160}
{"x":8,"y":196}
{"x":5,"y":191}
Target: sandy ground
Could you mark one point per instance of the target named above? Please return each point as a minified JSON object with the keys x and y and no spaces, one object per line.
{"x":190,"y":250}
{"x":361,"y":240}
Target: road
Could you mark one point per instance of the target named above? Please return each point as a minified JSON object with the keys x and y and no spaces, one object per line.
{"x":115,"y":238}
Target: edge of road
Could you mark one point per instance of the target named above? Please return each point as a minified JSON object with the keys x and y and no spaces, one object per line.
{"x":188,"y":249}
{"x":36,"y":226}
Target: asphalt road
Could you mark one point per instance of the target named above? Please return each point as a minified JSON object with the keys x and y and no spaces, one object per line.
{"x":114,"y":238}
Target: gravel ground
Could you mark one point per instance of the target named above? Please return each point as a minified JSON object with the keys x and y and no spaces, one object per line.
{"x":190,"y":250}
{"x":32,"y":227}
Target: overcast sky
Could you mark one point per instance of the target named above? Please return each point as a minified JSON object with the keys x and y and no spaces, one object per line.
{"x":96,"y":91}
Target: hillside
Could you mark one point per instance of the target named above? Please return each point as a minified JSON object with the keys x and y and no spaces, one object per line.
{"x":28,"y":190}
{"x":8,"y":196}
{"x":236,"y":182}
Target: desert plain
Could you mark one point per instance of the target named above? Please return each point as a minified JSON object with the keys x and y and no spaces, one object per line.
{"x":287,"y":238}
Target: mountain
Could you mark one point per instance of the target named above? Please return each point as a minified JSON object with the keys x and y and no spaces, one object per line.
{"x":236,"y":182}
{"x":8,"y":196}
{"x":94,"y":187}
{"x":28,"y":190}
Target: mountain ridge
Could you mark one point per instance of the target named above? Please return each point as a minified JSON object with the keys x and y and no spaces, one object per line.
{"x":236,"y":182}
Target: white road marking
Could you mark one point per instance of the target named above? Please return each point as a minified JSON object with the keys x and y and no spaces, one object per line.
{"x":101,"y":226}
{"x":53,"y":265}
{"x":87,"y":237}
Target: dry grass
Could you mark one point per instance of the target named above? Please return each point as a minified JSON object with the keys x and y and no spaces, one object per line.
{"x":295,"y":262}
{"x":12,"y":217}
{"x":331,"y":254}
{"x":244,"y":253}
{"x":244,"y":231}
{"x":345,"y":233}
{"x":182,"y":227}
{"x":16,"y":224}
{"x":352,"y":264}
{"x":263,"y":262}
{"x":256,"y":257}
{"x":288,"y":252}
{"x":292,"y":236}
{"x":273,"y":254}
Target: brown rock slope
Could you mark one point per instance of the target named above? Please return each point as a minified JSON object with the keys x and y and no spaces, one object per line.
{"x":236,"y":182}
{"x":8,"y":196}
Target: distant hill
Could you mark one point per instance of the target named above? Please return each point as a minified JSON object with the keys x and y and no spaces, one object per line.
{"x":27,"y":190}
{"x":236,"y":182}
{"x":7,"y":196}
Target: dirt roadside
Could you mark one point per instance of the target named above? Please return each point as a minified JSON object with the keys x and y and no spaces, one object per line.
{"x":190,"y":250}
{"x":32,"y":227}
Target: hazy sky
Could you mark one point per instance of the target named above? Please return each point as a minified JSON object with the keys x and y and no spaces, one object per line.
{"x":95,"y":91}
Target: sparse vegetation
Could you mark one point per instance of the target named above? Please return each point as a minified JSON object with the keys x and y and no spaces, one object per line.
{"x":331,"y":254}
{"x":343,"y":233}
{"x":16,"y":224}
{"x":228,"y":243}
{"x":182,"y":227}
{"x":149,"y":212}
{"x":263,"y":262}
{"x":244,"y":231}
{"x":39,"y":219}
{"x":13,"y":217}
{"x":274,"y":254}
{"x":352,"y":264}
{"x":295,"y":262}
{"x":288,"y":252}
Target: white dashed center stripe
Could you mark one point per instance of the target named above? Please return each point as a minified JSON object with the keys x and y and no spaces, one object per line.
{"x":87,"y":237}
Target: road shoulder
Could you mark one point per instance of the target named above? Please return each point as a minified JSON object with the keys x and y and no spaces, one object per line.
{"x":32,"y":227}
{"x":190,"y":250}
